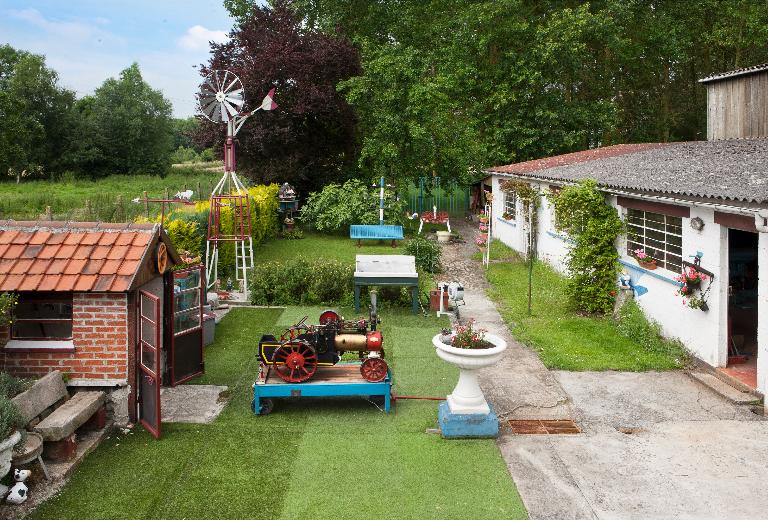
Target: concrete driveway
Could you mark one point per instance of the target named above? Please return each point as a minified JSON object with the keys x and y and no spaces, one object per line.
{"x":686,"y":453}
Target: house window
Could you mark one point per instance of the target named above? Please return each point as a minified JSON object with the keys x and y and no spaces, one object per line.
{"x":659,"y":235}
{"x":43,"y":316}
{"x":510,"y":205}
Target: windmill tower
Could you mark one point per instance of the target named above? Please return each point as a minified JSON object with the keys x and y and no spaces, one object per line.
{"x":221,"y":100}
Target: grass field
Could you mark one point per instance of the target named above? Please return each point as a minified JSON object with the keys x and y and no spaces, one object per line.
{"x":66,"y":198}
{"x":319,"y":459}
{"x":567,"y":341}
{"x":330,"y":247}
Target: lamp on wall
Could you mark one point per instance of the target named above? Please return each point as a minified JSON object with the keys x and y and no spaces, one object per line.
{"x":697,"y":223}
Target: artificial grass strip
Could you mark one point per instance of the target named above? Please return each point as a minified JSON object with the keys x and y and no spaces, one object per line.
{"x":563,"y":339}
{"x":330,"y":247}
{"x":310,"y":458}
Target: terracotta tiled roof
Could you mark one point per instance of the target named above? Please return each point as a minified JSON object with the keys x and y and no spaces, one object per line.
{"x":573,"y":158}
{"x":67,"y":256}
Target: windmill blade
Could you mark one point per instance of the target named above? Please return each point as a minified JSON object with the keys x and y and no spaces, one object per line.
{"x":224,"y":81}
{"x":235,"y":101}
{"x":231,"y":109}
{"x":208,"y":110}
{"x":223,"y":112}
{"x":229,"y":87}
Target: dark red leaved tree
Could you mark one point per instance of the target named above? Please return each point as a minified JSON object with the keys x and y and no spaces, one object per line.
{"x":310,"y":140}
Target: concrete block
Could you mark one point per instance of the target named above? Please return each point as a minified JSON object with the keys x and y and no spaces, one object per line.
{"x":45,"y":392}
{"x":70,"y":416}
{"x":462,"y":426}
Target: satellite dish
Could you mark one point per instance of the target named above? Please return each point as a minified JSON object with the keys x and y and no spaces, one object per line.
{"x":221,"y":96}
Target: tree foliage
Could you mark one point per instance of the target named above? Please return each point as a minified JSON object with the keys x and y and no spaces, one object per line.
{"x":310,"y":139}
{"x":125,"y":127}
{"x":593,"y":260}
{"x":337,"y":206}
{"x":35,"y":113}
{"x":448,"y":85}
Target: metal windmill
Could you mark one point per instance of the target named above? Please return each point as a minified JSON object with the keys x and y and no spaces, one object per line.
{"x":221,"y":99}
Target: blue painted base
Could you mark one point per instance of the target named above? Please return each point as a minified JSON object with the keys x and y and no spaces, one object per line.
{"x":462,"y":426}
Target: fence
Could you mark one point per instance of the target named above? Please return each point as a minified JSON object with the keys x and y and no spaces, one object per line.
{"x":450,"y":197}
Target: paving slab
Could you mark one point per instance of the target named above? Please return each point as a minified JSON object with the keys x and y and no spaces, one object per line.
{"x":519,"y":386}
{"x":724,"y":389}
{"x":197,"y":404}
{"x":688,"y":453}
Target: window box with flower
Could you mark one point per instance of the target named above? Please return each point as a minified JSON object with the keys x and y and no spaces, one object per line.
{"x":645,"y":260}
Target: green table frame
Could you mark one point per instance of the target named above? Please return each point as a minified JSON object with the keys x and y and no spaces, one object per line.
{"x":384,"y":281}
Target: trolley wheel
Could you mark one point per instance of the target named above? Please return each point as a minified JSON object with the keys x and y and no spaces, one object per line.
{"x":267,"y":405}
{"x":295,"y":362}
{"x":374,"y":370}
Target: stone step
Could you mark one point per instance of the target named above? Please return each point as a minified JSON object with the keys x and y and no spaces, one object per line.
{"x":722,"y":388}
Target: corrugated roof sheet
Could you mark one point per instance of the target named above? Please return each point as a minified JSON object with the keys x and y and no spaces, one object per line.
{"x":735,"y":169}
{"x":733,"y":73}
{"x":63,"y":256}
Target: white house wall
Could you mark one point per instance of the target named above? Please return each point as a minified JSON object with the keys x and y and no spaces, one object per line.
{"x":762,"y":311}
{"x":703,"y":333}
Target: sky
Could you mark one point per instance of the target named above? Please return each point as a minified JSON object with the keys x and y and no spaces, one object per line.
{"x":88,"y":41}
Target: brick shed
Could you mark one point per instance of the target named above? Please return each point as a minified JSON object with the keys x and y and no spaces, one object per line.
{"x":85,"y":290}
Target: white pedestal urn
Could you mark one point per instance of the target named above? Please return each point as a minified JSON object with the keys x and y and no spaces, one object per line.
{"x":466,"y":413}
{"x":6,"y":451}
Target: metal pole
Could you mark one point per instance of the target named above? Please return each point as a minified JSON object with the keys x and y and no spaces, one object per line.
{"x":381,"y":202}
{"x":530,"y":255}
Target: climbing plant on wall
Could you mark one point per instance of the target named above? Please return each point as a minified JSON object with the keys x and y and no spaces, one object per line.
{"x":593,"y":260}
{"x":530,"y":198}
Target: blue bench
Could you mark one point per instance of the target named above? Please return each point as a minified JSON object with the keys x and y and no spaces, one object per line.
{"x":375,"y":232}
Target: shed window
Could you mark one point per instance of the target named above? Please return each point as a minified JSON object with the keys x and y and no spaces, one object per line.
{"x":43,"y":316}
{"x":658,"y":234}
{"x":510,"y":205}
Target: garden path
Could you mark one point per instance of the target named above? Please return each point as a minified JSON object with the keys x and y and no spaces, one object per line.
{"x":519,"y":386}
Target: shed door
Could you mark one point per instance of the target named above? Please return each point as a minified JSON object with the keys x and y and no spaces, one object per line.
{"x":149,"y":362}
{"x":186,"y":324}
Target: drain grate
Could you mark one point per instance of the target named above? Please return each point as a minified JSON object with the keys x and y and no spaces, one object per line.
{"x":543,"y":427}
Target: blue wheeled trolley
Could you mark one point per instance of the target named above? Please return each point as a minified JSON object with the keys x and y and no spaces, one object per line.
{"x":343,"y":379}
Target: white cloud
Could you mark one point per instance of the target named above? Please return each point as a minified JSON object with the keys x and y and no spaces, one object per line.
{"x":197,"y":38}
{"x":71,"y":31}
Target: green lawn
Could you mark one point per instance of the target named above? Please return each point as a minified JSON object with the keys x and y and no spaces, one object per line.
{"x":567,"y":341}
{"x":334,"y":458}
{"x":330,"y":247}
{"x":66,"y":198}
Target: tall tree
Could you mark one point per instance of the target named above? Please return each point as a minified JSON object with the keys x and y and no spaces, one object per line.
{"x":126,"y":128}
{"x":311,"y":139}
{"x":34,"y":113}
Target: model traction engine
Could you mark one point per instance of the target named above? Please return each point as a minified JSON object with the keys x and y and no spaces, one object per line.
{"x":302,"y":348}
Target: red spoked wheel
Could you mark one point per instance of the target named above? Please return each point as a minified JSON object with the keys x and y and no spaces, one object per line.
{"x":374,"y":370}
{"x":295,"y":362}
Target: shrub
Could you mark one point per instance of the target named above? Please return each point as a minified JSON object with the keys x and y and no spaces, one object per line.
{"x":10,"y":418}
{"x":207,"y":155}
{"x":11,"y":386}
{"x":593,"y":262}
{"x":337,"y":207}
{"x":186,"y":235}
{"x":302,"y":282}
{"x":7,"y":303}
{"x":293,"y":234}
{"x":427,"y":253}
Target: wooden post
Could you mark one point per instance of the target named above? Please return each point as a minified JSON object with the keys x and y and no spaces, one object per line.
{"x":146,"y":205}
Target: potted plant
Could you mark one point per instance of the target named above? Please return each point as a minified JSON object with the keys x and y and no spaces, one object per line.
{"x":644,"y":259}
{"x":691,"y":277}
{"x":483,"y":218}
{"x":481,"y":241}
{"x":697,"y":302}
{"x":483,"y":228}
{"x":470,"y":349}
{"x":288,"y":221}
{"x":507,"y":215}
{"x":10,"y":423}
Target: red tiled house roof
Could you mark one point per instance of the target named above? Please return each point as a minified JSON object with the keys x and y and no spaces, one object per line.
{"x":64,"y":256}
